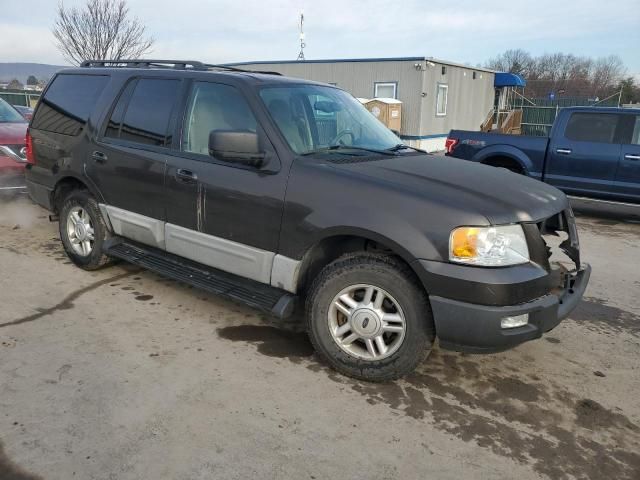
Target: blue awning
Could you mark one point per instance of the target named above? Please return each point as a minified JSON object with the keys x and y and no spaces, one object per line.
{"x":504,"y":79}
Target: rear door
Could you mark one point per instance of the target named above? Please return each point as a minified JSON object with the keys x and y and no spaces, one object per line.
{"x":627,"y":183}
{"x":128,"y":162}
{"x":583,"y":159}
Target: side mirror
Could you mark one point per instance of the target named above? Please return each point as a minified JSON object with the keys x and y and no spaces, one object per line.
{"x":238,"y":146}
{"x":327,"y":107}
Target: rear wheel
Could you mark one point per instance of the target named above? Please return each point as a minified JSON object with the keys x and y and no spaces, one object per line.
{"x":369,"y":318}
{"x":83,"y":230}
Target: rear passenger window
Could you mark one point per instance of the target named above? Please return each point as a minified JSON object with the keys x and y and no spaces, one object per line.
{"x":68,"y":103}
{"x":146,"y":117}
{"x":113,"y":126}
{"x":592,"y":127}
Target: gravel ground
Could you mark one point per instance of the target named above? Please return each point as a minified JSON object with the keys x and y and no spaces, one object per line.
{"x":121,"y":374}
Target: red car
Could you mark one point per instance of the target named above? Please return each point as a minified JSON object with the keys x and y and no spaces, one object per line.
{"x":13,"y":152}
{"x":26,"y":112}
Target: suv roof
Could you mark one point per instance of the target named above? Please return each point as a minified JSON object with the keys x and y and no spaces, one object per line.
{"x":170,"y":64}
{"x":182,"y":67}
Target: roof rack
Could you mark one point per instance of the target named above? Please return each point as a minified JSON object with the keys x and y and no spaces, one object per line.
{"x":169,"y":64}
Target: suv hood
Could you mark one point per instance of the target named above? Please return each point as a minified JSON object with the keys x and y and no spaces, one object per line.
{"x":497,"y":194}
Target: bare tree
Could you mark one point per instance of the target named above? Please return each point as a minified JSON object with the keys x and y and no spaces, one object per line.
{"x":102,"y":30}
{"x":562,"y":73}
{"x":514,"y":61}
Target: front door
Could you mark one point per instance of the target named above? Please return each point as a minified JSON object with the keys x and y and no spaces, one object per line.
{"x":222,"y":214}
{"x":128,"y":163}
{"x":584,"y":158}
{"x":627,"y":184}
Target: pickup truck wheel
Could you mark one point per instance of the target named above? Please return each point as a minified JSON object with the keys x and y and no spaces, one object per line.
{"x":368,"y":317}
{"x":83,"y":230}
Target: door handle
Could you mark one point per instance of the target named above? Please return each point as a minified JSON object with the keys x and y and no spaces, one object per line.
{"x":186,"y":176}
{"x":99,"y":157}
{"x":629,"y":156}
{"x":563,"y":151}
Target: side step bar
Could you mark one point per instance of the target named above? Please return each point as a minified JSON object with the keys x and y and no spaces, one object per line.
{"x":271,"y":300}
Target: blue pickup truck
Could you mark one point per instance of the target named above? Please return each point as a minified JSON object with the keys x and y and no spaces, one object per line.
{"x":591,"y":152}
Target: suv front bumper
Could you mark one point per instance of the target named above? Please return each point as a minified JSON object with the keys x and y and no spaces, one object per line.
{"x":475,"y":328}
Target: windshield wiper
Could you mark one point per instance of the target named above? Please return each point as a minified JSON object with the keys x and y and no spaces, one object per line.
{"x":342,"y":148}
{"x":402,"y":146}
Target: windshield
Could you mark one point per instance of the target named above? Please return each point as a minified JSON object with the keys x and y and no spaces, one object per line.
{"x":8,"y":114}
{"x":314,"y":118}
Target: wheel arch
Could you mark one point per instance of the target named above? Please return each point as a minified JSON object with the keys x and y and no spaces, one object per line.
{"x":335,"y":244}
{"x":67,"y":184}
{"x":505,"y":156}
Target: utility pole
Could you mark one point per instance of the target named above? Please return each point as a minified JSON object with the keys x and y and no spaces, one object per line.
{"x":302,"y":44}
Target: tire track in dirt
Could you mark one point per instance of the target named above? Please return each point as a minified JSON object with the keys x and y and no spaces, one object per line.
{"x":67,"y":302}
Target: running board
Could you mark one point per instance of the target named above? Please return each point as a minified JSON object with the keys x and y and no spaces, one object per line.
{"x":271,"y":300}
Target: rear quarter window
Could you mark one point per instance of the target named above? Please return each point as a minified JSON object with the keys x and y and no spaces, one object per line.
{"x":68,"y":103}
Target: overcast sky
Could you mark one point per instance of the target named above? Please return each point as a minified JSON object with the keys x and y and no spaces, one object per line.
{"x":461,"y":31}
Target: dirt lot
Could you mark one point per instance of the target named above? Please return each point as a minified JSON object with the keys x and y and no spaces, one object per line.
{"x":121,"y":374}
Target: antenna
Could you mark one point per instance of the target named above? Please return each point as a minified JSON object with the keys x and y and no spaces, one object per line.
{"x":302,"y":44}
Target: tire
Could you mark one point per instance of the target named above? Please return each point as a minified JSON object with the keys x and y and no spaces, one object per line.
{"x":353,"y":275}
{"x":84,"y":206}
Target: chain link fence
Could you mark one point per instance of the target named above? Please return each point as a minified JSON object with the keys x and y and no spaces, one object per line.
{"x":538,"y":114}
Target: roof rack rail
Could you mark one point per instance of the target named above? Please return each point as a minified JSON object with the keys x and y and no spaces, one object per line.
{"x":170,"y":64}
{"x":142,"y":63}
{"x":236,"y":69}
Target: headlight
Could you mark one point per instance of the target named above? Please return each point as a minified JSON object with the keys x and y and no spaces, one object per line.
{"x":489,"y":246}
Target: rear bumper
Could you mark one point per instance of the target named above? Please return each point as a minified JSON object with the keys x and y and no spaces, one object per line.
{"x":476,"y":328}
{"x":40,"y":194}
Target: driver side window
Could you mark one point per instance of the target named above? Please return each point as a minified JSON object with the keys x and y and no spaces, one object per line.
{"x":213,"y":106}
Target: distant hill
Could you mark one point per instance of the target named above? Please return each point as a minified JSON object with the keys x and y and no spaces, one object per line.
{"x":9,"y":71}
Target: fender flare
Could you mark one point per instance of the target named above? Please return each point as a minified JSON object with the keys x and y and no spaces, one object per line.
{"x":84,"y":180}
{"x":506,"y":151}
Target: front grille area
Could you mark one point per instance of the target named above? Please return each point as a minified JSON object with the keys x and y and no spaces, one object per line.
{"x":562,"y":249}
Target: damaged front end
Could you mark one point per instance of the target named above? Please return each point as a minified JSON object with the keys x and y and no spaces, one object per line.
{"x":557,"y":250}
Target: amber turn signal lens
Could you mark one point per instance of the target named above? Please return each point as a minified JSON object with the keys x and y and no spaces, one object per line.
{"x":464,"y":242}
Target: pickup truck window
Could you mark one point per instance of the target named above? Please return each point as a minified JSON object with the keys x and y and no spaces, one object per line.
{"x":313,"y":118}
{"x":592,"y":127}
{"x":214,"y":106}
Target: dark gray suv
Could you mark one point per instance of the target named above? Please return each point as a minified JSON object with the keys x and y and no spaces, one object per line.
{"x":279,"y":192}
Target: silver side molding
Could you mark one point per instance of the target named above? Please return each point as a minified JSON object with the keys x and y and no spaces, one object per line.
{"x":232,"y":257}
{"x":284,"y":273}
{"x":134,"y":226}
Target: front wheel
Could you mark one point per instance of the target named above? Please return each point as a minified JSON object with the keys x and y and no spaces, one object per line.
{"x":83,"y":230}
{"x":369,"y":318}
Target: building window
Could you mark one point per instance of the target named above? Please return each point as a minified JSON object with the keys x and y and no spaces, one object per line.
{"x":385,"y":90}
{"x":474,"y":75}
{"x":441,"y":100}
{"x":444,"y":70}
